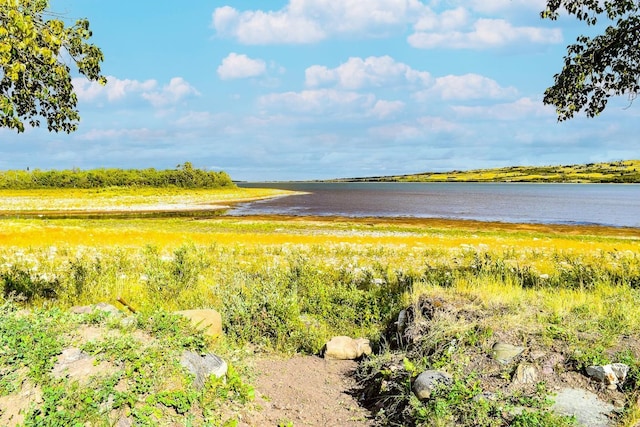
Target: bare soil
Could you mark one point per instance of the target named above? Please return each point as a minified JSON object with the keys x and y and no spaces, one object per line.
{"x":305,"y":391}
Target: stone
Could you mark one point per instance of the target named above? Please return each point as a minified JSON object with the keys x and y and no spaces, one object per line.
{"x":78,"y":365}
{"x":505,"y":353}
{"x":102,"y":306}
{"x":427,"y":381}
{"x":551,"y":363}
{"x":346,"y":348}
{"x":525,"y":374}
{"x":610,"y":375}
{"x":588,"y":409}
{"x":621,"y":370}
{"x":124,"y":422}
{"x":207,"y":320}
{"x":203,"y":366}
{"x":401,"y":323}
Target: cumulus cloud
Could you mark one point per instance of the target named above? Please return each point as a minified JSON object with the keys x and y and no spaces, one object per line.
{"x":383,"y":108}
{"x":448,"y":20}
{"x":373,"y":71}
{"x":236,"y":66}
{"x":118,"y":89}
{"x":521,"y":108}
{"x":318,"y":101}
{"x":114,"y":90}
{"x":309,"y":21}
{"x":177,"y":89}
{"x":467,"y":86}
{"x":258,"y":27}
{"x":485,"y":33}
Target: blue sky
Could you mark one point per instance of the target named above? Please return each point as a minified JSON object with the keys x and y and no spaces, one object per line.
{"x":312,"y":89}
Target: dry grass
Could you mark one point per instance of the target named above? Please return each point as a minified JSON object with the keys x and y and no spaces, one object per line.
{"x":126,"y":199}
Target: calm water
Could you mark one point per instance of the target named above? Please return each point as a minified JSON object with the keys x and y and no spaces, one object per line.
{"x":606,"y":204}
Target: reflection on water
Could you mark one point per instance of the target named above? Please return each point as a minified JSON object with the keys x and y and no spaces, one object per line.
{"x":605,"y":204}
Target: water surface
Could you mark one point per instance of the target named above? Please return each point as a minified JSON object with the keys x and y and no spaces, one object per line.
{"x":603,"y":204}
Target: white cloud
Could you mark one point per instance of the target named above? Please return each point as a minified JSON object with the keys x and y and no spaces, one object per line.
{"x":236,"y":66}
{"x":318,"y":101}
{"x":258,"y":27}
{"x":523,"y":108}
{"x":468,"y":86}
{"x":445,"y":21}
{"x":114,"y":90}
{"x":373,"y":71}
{"x":383,"y":109}
{"x":485,"y":33}
{"x":309,"y":21}
{"x":118,"y":89}
{"x":175,"y":91}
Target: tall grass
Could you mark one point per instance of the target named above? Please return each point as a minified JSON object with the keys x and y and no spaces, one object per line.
{"x":290,"y":290}
{"x":288,"y":286}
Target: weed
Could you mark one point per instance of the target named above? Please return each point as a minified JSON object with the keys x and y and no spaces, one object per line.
{"x":25,"y":285}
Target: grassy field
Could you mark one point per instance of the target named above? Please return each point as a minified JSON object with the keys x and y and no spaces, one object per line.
{"x":287,"y":285}
{"x":627,"y":171}
{"x":125,"y":199}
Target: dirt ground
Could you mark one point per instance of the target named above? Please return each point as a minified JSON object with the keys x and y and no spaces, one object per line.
{"x":305,"y":391}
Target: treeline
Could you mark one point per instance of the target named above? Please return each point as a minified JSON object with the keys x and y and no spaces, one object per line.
{"x":184,"y":176}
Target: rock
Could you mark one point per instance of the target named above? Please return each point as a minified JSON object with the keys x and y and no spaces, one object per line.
{"x":78,"y":365}
{"x":552,"y":363}
{"x":124,"y":422}
{"x":427,"y":381}
{"x":346,"y":348}
{"x":207,"y":320}
{"x":525,"y":374}
{"x":505,"y":353}
{"x":621,"y":370}
{"x":585,"y":406}
{"x":401,"y":323}
{"x":203,"y":366}
{"x":610,"y":375}
{"x":129,"y":322}
{"x":102,"y":306}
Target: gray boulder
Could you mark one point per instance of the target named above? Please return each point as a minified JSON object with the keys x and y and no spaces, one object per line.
{"x":427,"y":381}
{"x":588,"y":409}
{"x":610,"y":375}
{"x":203,"y":366}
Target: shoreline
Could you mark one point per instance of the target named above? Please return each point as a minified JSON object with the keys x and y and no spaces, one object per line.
{"x":472,"y":225}
{"x":204,"y":212}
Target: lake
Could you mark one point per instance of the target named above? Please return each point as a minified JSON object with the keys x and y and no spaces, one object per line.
{"x":603,"y":204}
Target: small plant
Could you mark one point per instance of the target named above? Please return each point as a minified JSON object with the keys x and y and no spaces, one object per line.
{"x":24,"y":285}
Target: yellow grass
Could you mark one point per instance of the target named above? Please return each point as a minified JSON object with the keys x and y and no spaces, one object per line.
{"x":175,"y":232}
{"x":127,"y":199}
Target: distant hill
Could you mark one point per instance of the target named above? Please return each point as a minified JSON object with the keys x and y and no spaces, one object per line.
{"x":624,"y":171}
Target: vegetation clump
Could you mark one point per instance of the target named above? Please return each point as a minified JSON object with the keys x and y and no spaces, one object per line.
{"x":627,"y":171}
{"x":183,"y":176}
{"x":568,"y":299}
